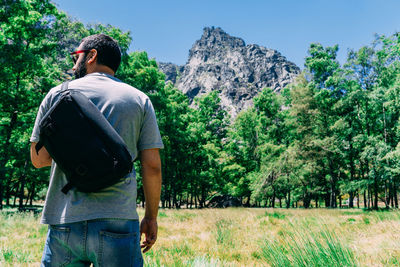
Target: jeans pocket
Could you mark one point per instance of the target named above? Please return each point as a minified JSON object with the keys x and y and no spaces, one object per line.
{"x":60,"y":254}
{"x":119,"y":249}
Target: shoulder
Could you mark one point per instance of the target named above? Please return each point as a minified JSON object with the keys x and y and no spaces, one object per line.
{"x":108,"y":82}
{"x":55,"y":90}
{"x":51,"y":94}
{"x":131,"y":92}
{"x":130,"y":88}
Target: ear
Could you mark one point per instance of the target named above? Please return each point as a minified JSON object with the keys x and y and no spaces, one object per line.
{"x":93,"y":56}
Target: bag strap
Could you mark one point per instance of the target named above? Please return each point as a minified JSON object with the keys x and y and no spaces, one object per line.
{"x":67,"y":187}
{"x":64,"y":87}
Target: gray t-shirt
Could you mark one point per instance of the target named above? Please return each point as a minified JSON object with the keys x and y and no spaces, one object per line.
{"x":132,"y":115}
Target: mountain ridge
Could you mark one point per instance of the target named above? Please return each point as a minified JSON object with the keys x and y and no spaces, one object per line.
{"x":219,"y":61}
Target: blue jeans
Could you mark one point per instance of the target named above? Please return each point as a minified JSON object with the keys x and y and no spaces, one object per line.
{"x":103,"y":242}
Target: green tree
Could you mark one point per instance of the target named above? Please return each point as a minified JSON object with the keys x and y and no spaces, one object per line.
{"x":207,"y":132}
{"x":26,"y":46}
{"x":243,"y":141}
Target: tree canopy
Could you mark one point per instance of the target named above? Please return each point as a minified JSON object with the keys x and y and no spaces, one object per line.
{"x":331,"y":138}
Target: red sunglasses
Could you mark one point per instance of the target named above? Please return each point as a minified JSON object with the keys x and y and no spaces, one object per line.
{"x":75,"y":55}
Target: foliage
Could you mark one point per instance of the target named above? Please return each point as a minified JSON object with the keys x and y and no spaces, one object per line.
{"x":329,"y":138}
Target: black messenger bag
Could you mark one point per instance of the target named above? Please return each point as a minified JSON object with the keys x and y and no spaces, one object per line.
{"x":83,"y":143}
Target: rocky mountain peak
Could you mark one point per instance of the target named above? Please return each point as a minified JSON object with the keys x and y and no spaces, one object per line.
{"x":216,"y":38}
{"x":218,"y":61}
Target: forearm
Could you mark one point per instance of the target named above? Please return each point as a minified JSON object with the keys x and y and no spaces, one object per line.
{"x":42,"y":159}
{"x":152,"y":190}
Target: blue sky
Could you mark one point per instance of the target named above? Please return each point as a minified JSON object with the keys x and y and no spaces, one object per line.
{"x":166,"y":30}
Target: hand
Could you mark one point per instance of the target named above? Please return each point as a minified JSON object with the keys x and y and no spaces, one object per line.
{"x":149,"y":228}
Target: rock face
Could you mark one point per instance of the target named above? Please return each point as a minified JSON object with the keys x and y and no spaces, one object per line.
{"x":171,"y":71}
{"x":238,"y":71}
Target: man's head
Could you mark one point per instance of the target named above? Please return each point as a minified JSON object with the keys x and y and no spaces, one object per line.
{"x":98,"y":51}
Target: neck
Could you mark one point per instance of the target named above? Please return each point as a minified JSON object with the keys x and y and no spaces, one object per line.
{"x":101,"y":68}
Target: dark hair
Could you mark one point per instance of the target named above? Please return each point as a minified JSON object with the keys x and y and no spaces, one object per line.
{"x":108,"y":52}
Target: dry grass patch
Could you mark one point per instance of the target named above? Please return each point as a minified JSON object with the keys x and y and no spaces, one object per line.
{"x":21,"y":239}
{"x":240,"y":237}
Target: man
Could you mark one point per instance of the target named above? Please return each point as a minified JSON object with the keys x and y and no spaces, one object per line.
{"x":103,"y":228}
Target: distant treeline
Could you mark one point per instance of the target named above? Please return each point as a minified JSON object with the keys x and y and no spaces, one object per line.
{"x":329,"y":137}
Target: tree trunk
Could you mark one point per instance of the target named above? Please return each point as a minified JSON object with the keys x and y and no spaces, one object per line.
{"x":8,"y":194}
{"x":387,"y":194}
{"x":32,"y":194}
{"x":396,"y":200}
{"x":376,"y":188}
{"x":389,"y":197}
{"x":352,"y":168}
{"x":333,"y":197}
{"x":174,"y":199}
{"x":365,"y":199}
{"x":273,"y":200}
{"x":327,"y":200}
{"x":351,"y":199}
{"x":288,"y":200}
{"x":22,"y":190}
{"x":371,"y":200}
{"x":15,"y":196}
{"x":369,"y":187}
{"x":306,"y":201}
{"x":247,"y":204}
{"x":8,"y":132}
{"x":333,"y":185}
{"x":27,"y":198}
{"x":391,"y":194}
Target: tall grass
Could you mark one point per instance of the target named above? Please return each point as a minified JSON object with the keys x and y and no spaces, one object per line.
{"x":21,"y":238}
{"x":222,"y":233}
{"x":240,"y":237}
{"x":298,"y":246}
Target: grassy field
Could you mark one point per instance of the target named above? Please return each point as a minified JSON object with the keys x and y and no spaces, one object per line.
{"x":240,"y":237}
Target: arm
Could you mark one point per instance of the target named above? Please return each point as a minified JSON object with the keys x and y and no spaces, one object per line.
{"x":42,"y":159}
{"x":151,"y":173}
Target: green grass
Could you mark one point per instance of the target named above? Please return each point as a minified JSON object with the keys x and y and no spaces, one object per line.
{"x":182,"y":217}
{"x":240,"y":237}
{"x":382,"y":216}
{"x":9,"y":256}
{"x":222,"y":233}
{"x":21,"y":238}
{"x":299,"y":247}
{"x":276,"y":215}
{"x":162,"y":214}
